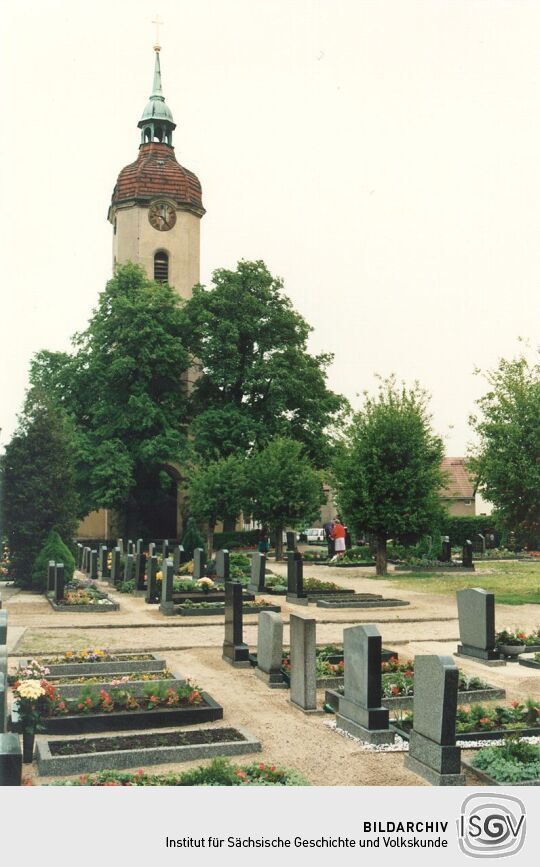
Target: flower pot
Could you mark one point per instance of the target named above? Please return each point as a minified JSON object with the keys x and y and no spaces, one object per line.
{"x":512,"y":649}
{"x":28,"y":747}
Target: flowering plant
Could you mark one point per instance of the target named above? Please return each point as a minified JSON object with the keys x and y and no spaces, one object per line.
{"x":35,"y":701}
{"x":33,"y":670}
{"x":512,"y":639}
{"x":205,"y":584}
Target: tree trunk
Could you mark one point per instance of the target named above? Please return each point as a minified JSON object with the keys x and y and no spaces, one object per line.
{"x":279,"y":543}
{"x":380,"y":556}
{"x":210,"y":541}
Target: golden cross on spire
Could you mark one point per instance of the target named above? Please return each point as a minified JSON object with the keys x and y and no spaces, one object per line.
{"x":157,"y":21}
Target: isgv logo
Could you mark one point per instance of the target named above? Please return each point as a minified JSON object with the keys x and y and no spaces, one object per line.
{"x":491,"y":825}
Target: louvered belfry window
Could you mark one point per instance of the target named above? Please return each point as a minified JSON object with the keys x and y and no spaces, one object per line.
{"x":161,"y":266}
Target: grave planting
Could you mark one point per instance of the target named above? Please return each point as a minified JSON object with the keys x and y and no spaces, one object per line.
{"x":515,"y":763}
{"x":478,"y":721}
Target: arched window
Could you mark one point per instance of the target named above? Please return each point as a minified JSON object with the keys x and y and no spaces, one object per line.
{"x":161,"y":266}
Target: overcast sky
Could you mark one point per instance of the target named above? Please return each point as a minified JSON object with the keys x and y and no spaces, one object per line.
{"x":382,"y":157}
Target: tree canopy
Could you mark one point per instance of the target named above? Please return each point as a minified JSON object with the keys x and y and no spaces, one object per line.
{"x":388,"y":470}
{"x":258,"y":379}
{"x":507,"y":458}
{"x":216,"y":491}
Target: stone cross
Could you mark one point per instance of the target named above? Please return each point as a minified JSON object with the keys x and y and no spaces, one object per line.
{"x":167,"y":604}
{"x":199,"y":564}
{"x":151,"y":583}
{"x":235,"y":652}
{"x":303,"y":663}
{"x":270,"y":649}
{"x":140,"y":568}
{"x":50,"y":576}
{"x":10,"y":760}
{"x":258,"y":572}
{"x":476,"y":614}
{"x":467,"y":556}
{"x":128,"y":568}
{"x":93,"y":565}
{"x":360,"y":710}
{"x":222,"y":566}
{"x":59,"y":582}
{"x":115,"y":567}
{"x":432,"y":747}
{"x":446,"y":552}
{"x":295,"y":579}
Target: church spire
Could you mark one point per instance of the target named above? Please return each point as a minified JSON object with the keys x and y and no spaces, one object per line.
{"x":156,"y":123}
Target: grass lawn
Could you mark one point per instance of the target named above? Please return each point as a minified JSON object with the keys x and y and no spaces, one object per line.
{"x":513,"y":582}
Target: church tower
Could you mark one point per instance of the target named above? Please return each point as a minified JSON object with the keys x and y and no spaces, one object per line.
{"x":156,"y":205}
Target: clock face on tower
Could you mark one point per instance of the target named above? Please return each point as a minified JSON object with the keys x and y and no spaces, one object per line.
{"x":162,"y":216}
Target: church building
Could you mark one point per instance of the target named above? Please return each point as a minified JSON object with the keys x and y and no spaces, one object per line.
{"x":155,"y":213}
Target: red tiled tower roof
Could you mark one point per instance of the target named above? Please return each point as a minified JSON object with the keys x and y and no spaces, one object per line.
{"x":157,"y":173}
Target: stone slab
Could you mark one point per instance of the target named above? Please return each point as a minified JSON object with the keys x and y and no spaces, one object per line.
{"x":10,"y":760}
{"x":382,"y":603}
{"x":494,"y":660}
{"x":431,"y":776}
{"x":370,"y":736}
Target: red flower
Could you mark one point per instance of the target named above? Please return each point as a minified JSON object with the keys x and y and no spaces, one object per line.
{"x":515,"y":703}
{"x":395,"y":690}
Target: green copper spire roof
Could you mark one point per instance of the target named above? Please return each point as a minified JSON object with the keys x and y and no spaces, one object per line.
{"x":157,"y":122}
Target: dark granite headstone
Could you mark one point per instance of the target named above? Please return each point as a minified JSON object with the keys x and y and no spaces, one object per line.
{"x":10,"y":760}
{"x":128,"y":568}
{"x":258,"y":572}
{"x":360,"y":710}
{"x":79,"y":555}
{"x":291,"y":540}
{"x":467,"y":556}
{"x":167,"y":604}
{"x":432,"y":747}
{"x":151,"y":583}
{"x":165,"y":549}
{"x":93,"y":565}
{"x":476,"y":614}
{"x":59,"y":582}
{"x":295,"y":579}
{"x":140,"y":568}
{"x":130,"y":547}
{"x":235,"y":651}
{"x":222,"y":566}
{"x":446,"y":550}
{"x":177,"y":550}
{"x":115,"y":566}
{"x":199,"y":564}
{"x":50,"y":575}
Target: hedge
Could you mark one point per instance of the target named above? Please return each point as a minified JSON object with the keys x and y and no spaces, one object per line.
{"x":463,"y":527}
{"x":237,"y":539}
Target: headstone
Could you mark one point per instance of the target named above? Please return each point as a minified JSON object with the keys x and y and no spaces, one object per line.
{"x":3,"y":660}
{"x":50,"y":576}
{"x":270,"y":649}
{"x":235,"y":651}
{"x":199,"y":564}
{"x":432,"y":747}
{"x":482,"y":543}
{"x":139,"y":546}
{"x":167,"y":604}
{"x":120,"y":544}
{"x":258,"y":572}
{"x":140,"y":568}
{"x":165,"y":549}
{"x":85,"y":559}
{"x":467,"y":556}
{"x":446,"y":550}
{"x":3,"y":628}
{"x":151,"y":549}
{"x":115,"y":565}
{"x":177,"y":553}
{"x":360,"y":710}
{"x":183,"y":556}
{"x":94,"y":565}
{"x":295,"y":579}
{"x":103,"y":554}
{"x":151,"y":583}
{"x":3,"y":702}
{"x":476,"y":614}
{"x":291,"y":540}
{"x":222,"y":566}
{"x":79,"y":555}
{"x":303,"y":663}
{"x":10,"y":760}
{"x":130,"y":547}
{"x":59,"y":582}
{"x":128,"y":568}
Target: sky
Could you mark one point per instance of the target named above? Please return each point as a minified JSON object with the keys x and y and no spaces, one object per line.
{"x":381,"y":156}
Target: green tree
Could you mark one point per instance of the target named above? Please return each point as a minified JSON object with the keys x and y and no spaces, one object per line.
{"x":125,"y":389}
{"x":192,"y":538}
{"x":258,"y":379}
{"x":217,"y":490}
{"x":507,"y":458}
{"x":39,"y":493}
{"x":53,"y":549}
{"x":388,"y":471}
{"x":283,"y":490}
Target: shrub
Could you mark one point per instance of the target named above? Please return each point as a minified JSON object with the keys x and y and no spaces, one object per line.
{"x":53,"y":549}
{"x":192,"y":539}
{"x":237,"y":539}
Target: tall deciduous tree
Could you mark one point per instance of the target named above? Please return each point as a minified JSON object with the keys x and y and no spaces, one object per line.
{"x":507,"y":459}
{"x":216,"y":491}
{"x":283,"y":488}
{"x":125,"y":391}
{"x":258,"y":379}
{"x":388,"y":471}
{"x":39,"y":493}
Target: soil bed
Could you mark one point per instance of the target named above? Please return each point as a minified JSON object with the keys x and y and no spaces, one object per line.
{"x":85,"y":609}
{"x":82,"y":746}
{"x":190,"y":611}
{"x":121,"y":664}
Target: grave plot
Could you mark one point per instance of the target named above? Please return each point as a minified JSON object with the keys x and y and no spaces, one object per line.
{"x":326,"y":594}
{"x":97,"y":661}
{"x":81,"y":596}
{"x":480,"y":722}
{"x":514,"y":763}
{"x":209,"y":600}
{"x":534,"y":662}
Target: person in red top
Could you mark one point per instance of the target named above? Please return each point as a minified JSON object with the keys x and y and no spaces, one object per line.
{"x":338,"y":535}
